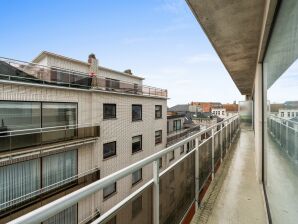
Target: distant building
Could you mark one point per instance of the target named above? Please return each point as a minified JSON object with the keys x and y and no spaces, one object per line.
{"x":220,"y":112}
{"x":207,"y":106}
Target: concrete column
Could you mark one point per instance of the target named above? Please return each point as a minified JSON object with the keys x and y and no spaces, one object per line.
{"x":258,"y":121}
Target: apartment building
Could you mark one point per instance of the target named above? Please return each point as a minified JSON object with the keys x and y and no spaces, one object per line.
{"x":60,"y":133}
{"x":220,"y":112}
{"x":207,"y":106}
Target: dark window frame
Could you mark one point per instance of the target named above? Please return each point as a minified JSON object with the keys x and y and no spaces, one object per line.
{"x":172,"y":156}
{"x":132,"y":113}
{"x":133,"y":183}
{"x":109,"y":117}
{"x":110,"y":194}
{"x":158,"y":111}
{"x":159,"y":139}
{"x":141,"y":144}
{"x":110,"y":155}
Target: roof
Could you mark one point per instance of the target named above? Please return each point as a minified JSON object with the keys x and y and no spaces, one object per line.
{"x":179,"y":108}
{"x":175,"y":116}
{"x":43,"y":54}
{"x":231,"y":107}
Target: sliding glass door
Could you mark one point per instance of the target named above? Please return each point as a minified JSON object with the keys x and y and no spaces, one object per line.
{"x":280,"y":70}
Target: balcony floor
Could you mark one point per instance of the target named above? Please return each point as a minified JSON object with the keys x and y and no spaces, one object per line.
{"x":235,"y":196}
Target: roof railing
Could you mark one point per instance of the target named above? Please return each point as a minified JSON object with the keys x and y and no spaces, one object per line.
{"x":20,"y":71}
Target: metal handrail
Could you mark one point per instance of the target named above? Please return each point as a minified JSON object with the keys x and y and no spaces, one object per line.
{"x":46,"y":129}
{"x":60,"y":204}
{"x":77,"y":73}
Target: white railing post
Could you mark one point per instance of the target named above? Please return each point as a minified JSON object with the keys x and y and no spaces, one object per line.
{"x":197,"y":179}
{"x":287,"y":136}
{"x":230,"y":133}
{"x":213,"y":143}
{"x":156,"y":192}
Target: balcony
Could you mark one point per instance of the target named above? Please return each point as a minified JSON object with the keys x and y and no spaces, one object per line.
{"x":18,"y":71}
{"x":178,"y":193}
{"x":17,"y":140}
{"x":176,"y":136}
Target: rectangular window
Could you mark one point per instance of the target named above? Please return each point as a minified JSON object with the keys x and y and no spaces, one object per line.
{"x":136,"y":112}
{"x":137,"y":206}
{"x":18,"y":179}
{"x":282,"y":114}
{"x":19,"y":115}
{"x":109,"y":149}
{"x":177,"y":125}
{"x":158,"y":137}
{"x":171,"y":155}
{"x":60,"y":168}
{"x":109,"y":190}
{"x":136,"y":176}
{"x":293,"y":114}
{"x":181,"y":149}
{"x":158,"y":111}
{"x":289,"y":114}
{"x":136,"y":143}
{"x":59,"y":114}
{"x":112,"y":84}
{"x":109,"y":111}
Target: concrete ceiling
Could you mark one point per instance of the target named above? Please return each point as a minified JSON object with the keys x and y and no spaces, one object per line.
{"x":234,"y":29}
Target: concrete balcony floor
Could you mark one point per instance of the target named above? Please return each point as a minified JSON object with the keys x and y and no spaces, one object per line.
{"x":235,"y":196}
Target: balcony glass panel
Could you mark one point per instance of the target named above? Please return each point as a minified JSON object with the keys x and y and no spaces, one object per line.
{"x":135,"y":211}
{"x":205,"y":162}
{"x":177,"y":191}
{"x":217,"y":147}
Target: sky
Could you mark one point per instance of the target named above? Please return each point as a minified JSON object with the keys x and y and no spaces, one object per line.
{"x":159,"y":40}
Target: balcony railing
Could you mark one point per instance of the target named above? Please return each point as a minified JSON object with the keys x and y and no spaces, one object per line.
{"x":171,"y":195}
{"x":285,"y":133}
{"x":19,"y":71}
{"x":44,"y":193}
{"x":17,"y":139}
{"x":176,"y":136}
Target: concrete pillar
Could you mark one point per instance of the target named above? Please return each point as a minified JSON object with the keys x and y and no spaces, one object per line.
{"x":258,"y":120}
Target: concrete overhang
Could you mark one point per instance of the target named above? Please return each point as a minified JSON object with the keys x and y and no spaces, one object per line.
{"x":234,"y":28}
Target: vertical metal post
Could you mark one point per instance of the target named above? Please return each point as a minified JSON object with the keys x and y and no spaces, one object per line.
{"x":287,"y":137}
{"x":221,"y":142}
{"x":197,"y":179}
{"x":230,"y":133}
{"x":213,"y":143}
{"x":156,"y":192}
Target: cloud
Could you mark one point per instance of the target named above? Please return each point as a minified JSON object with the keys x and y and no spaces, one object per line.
{"x":171,"y":6}
{"x":202,"y":58}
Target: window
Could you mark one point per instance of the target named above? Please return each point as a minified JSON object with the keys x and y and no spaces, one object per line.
{"x":112,"y":84}
{"x":293,"y":114}
{"x":158,"y":137}
{"x":137,"y":206}
{"x":136,"y":176}
{"x":59,"y":114}
{"x":158,"y":111}
{"x":18,"y":179}
{"x":296,"y":114}
{"x":19,"y":115}
{"x":59,"y":167}
{"x":109,"y":190}
{"x":223,"y":113}
{"x":176,"y":125}
{"x":109,"y":149}
{"x":136,"y":112}
{"x":160,"y":163}
{"x":181,"y":149}
{"x":171,"y":155}
{"x":282,"y":114}
{"x":136,"y":143}
{"x":289,"y":114}
{"x":109,"y":111}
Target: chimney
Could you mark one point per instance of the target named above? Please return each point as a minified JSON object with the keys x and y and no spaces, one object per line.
{"x":128,"y":71}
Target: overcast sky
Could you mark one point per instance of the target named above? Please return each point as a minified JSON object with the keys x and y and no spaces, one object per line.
{"x":158,"y":39}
